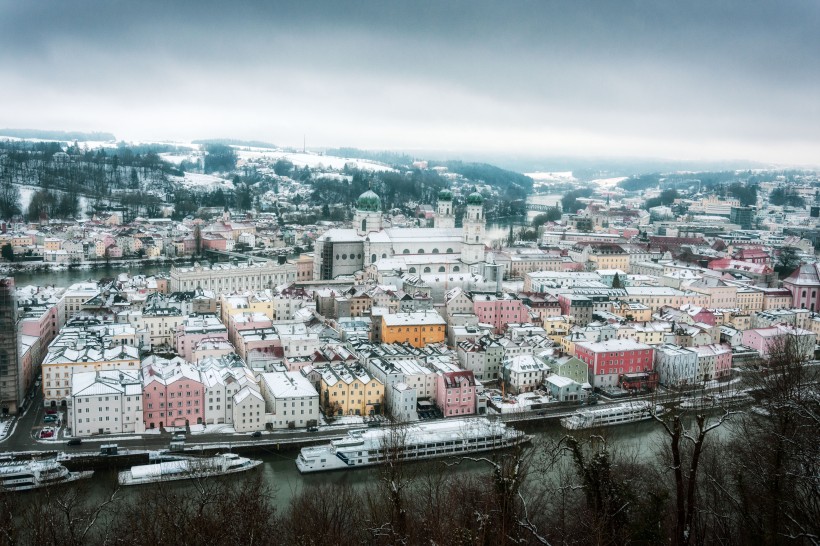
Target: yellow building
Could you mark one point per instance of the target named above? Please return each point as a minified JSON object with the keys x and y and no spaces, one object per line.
{"x":418,"y":328}
{"x":649,"y":333}
{"x":776,"y":298}
{"x":76,"y":350}
{"x":557,"y":327}
{"x":350,"y":390}
{"x":52,"y":243}
{"x":249,"y":302}
{"x":750,"y":299}
{"x":632,"y":310}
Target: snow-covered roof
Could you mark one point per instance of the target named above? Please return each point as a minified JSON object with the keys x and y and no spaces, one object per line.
{"x":288,"y":385}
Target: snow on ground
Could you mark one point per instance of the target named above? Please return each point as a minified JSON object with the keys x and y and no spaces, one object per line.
{"x":608,"y":182}
{"x":345,"y":420}
{"x":5,"y":426}
{"x":565,"y":176}
{"x":204,"y":181}
{"x":26,"y":192}
{"x":176,"y":158}
{"x":522,"y":402}
{"x":312,"y":160}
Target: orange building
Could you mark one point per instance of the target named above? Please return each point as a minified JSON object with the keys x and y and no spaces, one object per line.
{"x":418,"y":328}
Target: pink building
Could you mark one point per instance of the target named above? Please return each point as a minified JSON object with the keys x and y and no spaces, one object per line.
{"x":761,"y":339}
{"x":195,"y":329}
{"x":263,"y":343}
{"x":500,"y":311}
{"x":714,"y":361}
{"x":609,"y":360}
{"x":705,"y":316}
{"x":238,"y":322}
{"x":804,"y":285}
{"x":173,"y":393}
{"x":214,"y":242}
{"x":456,"y":393}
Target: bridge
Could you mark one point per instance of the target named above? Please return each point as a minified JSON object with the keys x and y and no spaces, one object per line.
{"x":540,"y":208}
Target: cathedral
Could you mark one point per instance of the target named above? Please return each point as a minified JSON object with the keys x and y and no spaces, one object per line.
{"x":442,"y":249}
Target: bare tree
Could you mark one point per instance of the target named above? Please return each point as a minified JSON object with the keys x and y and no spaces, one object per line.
{"x":686,"y":444}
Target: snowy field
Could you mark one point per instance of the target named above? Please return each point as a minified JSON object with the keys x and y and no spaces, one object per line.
{"x":608,"y":182}
{"x":203,"y":181}
{"x":312,"y":160}
{"x":563,"y":176}
{"x":27,"y":191}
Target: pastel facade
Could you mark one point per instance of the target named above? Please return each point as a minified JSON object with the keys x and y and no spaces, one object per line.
{"x":609,"y":360}
{"x":173,"y":393}
{"x":107,"y":402}
{"x":456,"y":393}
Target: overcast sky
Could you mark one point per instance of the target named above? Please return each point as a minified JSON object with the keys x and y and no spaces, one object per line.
{"x":717,"y":79}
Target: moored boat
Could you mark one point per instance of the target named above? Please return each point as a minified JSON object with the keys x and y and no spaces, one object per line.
{"x":186,"y":469}
{"x":718,"y":400}
{"x":615,"y":414}
{"x":447,"y":438}
{"x":25,"y":475}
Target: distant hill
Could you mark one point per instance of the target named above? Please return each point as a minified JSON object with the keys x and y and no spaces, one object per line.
{"x":236,"y":142}
{"x":382,"y":156}
{"x":56,"y":135}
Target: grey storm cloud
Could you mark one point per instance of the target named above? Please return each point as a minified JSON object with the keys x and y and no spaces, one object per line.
{"x":696,"y":79}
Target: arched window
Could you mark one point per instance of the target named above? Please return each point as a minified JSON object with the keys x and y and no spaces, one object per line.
{"x":435,"y":251}
{"x":426,"y":269}
{"x":441,"y":269}
{"x":406,"y":251}
{"x":373,"y":258}
{"x":384,"y":255}
{"x":412,"y":270}
{"x":456,"y":269}
{"x":449,"y":251}
{"x":421,"y":251}
{"x":364,"y":224}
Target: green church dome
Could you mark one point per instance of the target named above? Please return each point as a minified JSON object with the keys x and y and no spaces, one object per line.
{"x":369,"y":201}
{"x":475,"y":198}
{"x":445,"y":195}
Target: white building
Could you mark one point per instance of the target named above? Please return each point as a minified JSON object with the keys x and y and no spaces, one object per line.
{"x":676,"y":365}
{"x":523,"y":373}
{"x":106,"y":402}
{"x":223,"y":278}
{"x":248,"y":410}
{"x":291,"y":398}
{"x":403,"y":401}
{"x":565,"y":389}
{"x":346,"y":251}
{"x":223,"y":378}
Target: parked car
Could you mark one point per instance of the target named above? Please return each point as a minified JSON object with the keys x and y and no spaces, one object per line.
{"x":313,"y":429}
{"x":46,"y":433}
{"x":50,"y":418}
{"x":256,"y":434}
{"x":178,"y":437}
{"x":51,"y":412}
{"x":75,"y":442}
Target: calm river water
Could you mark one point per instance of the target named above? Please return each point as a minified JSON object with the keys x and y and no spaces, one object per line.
{"x":639,"y":440}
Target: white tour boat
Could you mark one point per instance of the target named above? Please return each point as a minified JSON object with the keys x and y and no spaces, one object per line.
{"x":25,"y":475}
{"x":615,"y":414}
{"x":447,"y":438}
{"x":185,"y":469}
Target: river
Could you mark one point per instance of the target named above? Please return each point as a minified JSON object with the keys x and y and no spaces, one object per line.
{"x":639,"y":440}
{"x":71,"y":276}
